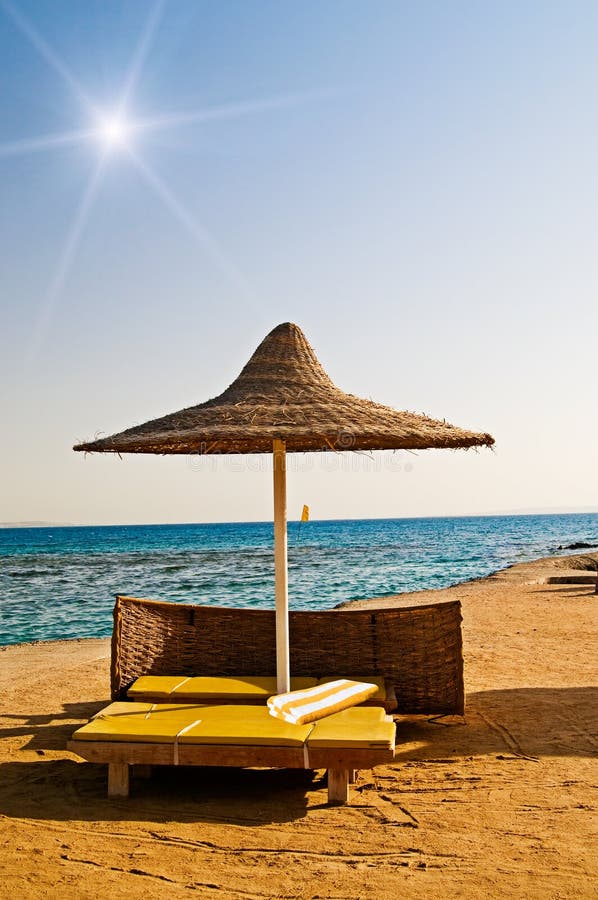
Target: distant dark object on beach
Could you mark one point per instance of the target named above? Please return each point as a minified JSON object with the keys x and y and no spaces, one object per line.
{"x":578,"y":545}
{"x":574,"y":578}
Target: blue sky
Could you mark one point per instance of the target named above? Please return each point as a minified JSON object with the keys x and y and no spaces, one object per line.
{"x":413,"y":184}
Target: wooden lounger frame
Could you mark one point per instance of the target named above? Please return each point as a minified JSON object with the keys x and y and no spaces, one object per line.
{"x":120,"y":756}
{"x":418,"y":648}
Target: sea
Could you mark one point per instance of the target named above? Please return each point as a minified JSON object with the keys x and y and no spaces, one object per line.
{"x":60,"y":582}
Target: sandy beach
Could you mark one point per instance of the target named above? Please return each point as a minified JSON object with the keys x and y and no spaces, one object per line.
{"x":503,"y":804}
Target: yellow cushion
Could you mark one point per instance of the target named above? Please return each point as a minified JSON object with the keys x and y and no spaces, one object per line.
{"x":208,"y":688}
{"x":158,"y":725}
{"x":123,"y":708}
{"x":155,"y":685}
{"x":234,"y":688}
{"x":226,"y":724}
{"x":244,"y":726}
{"x":358,"y":727}
{"x":370,"y":679}
{"x":301,"y":707}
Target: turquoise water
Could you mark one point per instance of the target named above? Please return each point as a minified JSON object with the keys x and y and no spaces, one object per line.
{"x":61,"y":582}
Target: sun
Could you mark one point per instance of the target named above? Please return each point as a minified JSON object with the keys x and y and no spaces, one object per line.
{"x":114,"y":131}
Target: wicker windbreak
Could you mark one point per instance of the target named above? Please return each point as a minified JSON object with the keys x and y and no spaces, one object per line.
{"x":418,"y":648}
{"x":284,"y":393}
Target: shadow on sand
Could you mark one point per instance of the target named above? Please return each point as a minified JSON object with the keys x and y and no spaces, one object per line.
{"x":64,"y":790}
{"x":528,"y":723}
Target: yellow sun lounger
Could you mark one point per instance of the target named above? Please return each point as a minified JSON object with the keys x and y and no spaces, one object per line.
{"x":148,"y":734}
{"x":239,"y":689}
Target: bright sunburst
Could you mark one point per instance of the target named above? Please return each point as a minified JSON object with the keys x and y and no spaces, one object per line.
{"x":113,"y":132}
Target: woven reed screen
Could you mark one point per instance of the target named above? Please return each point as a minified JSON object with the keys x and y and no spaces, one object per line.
{"x":419,"y":648}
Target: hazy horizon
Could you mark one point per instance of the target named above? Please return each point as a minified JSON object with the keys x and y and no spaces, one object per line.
{"x":496,"y":514}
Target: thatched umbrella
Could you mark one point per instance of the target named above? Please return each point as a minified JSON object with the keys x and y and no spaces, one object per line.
{"x":283,"y":400}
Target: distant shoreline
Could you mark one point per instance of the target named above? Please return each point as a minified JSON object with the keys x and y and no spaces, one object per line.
{"x":580,"y":511}
{"x":40,"y":525}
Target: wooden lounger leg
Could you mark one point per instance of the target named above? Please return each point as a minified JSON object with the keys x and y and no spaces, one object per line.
{"x":118,"y":780}
{"x":338,"y":785}
{"x":352,"y":776}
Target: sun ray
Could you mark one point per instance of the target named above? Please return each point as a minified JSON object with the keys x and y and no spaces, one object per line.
{"x":207,"y":242}
{"x":113,"y":130}
{"x":46,"y":51}
{"x":45,"y":142}
{"x":65,"y":261}
{"x":141,"y":53}
{"x":231,"y":110}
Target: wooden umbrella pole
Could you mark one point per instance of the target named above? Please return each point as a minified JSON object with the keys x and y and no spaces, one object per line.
{"x":280,"y":567}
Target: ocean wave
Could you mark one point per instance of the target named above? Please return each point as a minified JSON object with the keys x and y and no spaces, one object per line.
{"x":29,"y":573}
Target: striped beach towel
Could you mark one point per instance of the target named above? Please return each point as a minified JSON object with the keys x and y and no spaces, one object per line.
{"x":301,"y":707}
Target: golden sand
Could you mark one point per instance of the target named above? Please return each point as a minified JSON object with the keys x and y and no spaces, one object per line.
{"x":505,"y":805}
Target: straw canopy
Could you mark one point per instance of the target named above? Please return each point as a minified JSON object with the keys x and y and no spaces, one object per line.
{"x":283,"y":401}
{"x":283,"y":393}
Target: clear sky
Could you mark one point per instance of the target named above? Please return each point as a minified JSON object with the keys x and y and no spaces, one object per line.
{"x":414,"y":184}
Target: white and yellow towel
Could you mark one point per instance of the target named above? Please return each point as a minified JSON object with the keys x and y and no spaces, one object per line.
{"x":301,"y":707}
